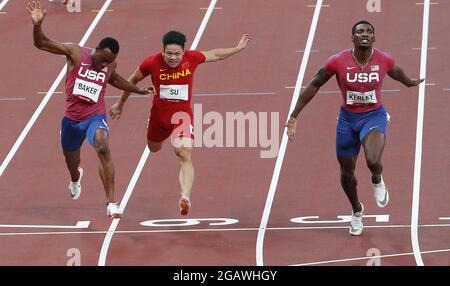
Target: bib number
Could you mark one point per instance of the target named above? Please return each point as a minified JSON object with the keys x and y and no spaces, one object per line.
{"x":361,"y":97}
{"x":174,"y":92}
{"x":87,"y":91}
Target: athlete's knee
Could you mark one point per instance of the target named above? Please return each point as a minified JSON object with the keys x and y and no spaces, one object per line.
{"x":72,"y":161}
{"x":102,"y":148}
{"x":347,"y":173}
{"x":373,"y":163}
{"x":71,"y":158}
{"x":184,"y":154}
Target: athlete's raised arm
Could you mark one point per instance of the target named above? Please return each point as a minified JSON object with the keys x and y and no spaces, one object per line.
{"x":119,"y":82}
{"x":398,"y":74}
{"x":116,"y":110}
{"x":220,"y":54}
{"x":305,"y":96}
{"x":42,"y":42}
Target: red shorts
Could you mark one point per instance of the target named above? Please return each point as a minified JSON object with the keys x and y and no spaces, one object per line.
{"x":165,"y":121}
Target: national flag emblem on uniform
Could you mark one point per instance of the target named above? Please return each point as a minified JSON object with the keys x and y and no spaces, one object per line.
{"x":375,"y":68}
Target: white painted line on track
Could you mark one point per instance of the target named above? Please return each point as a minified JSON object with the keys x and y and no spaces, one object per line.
{"x":12,"y":99}
{"x":203,"y":94}
{"x":145,"y":154}
{"x":234,"y":94}
{"x":78,"y":225}
{"x":370,"y":257}
{"x":280,"y":158}
{"x":3,"y":3}
{"x":419,"y":135}
{"x":299,"y":228}
{"x":419,"y":49}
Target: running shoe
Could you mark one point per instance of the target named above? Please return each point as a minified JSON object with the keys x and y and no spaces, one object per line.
{"x":185,"y":205}
{"x":75,"y":187}
{"x":112,"y":210}
{"x":381,"y":194}
{"x":356,"y":225}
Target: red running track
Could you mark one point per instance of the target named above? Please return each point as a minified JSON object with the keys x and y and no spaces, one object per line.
{"x":231,"y":183}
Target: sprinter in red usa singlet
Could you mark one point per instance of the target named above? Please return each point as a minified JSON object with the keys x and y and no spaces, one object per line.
{"x":172,"y":73}
{"x":88,"y":73}
{"x":362,"y":118}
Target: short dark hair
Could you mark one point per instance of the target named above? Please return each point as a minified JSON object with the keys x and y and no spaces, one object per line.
{"x":359,"y":23}
{"x":174,"y":37}
{"x":109,"y":43}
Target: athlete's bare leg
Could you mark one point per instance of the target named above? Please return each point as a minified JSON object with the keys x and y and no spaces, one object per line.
{"x":348,"y":180}
{"x":183,"y":149}
{"x":373,"y":149}
{"x":106,"y":168}
{"x":73,"y":162}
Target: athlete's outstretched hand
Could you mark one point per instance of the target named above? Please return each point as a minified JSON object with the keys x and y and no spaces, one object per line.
{"x":36,"y":12}
{"x":291,"y":126}
{"x":244,"y":41}
{"x":148,"y":90}
{"x":143,"y":91}
{"x":116,"y":110}
{"x":416,"y":82}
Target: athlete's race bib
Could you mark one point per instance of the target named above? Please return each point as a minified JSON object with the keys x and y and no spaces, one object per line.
{"x":369,"y":97}
{"x":86,"y":91}
{"x":174,"y":92}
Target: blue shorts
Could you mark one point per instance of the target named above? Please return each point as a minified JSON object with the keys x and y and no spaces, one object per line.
{"x":74,"y":132}
{"x":353,"y":127}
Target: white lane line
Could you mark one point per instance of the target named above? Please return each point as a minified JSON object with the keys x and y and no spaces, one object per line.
{"x":280,"y":158}
{"x":123,"y":204}
{"x":235,"y":94}
{"x":131,"y":96}
{"x":145,"y":154}
{"x":79,"y":225}
{"x":12,"y":98}
{"x":419,"y":135}
{"x":217,"y":229}
{"x":203,"y":24}
{"x":370,"y":257}
{"x":49,"y":94}
{"x":418,"y":49}
{"x":202,"y":94}
{"x":302,"y":51}
{"x":338,"y":91}
{"x":3,"y":3}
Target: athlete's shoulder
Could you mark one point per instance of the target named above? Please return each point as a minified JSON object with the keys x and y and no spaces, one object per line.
{"x":75,"y":45}
{"x":385,"y":59}
{"x":149,"y":64}
{"x":343,"y":54}
{"x":152,"y":59}
{"x":336,"y":60}
{"x":155,"y":57}
{"x":195,"y":55}
{"x":383,"y":54}
{"x":192,"y":52}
